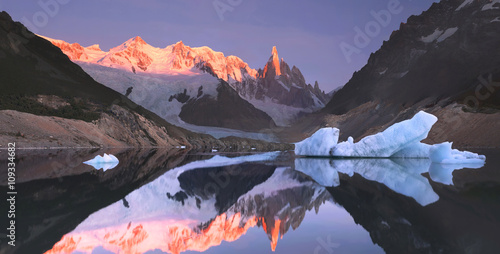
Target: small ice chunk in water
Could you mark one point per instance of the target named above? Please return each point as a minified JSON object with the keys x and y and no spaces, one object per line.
{"x":107,"y":161}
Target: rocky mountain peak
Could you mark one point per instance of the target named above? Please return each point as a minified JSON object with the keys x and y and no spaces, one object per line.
{"x":133,"y":43}
{"x":274,"y":52}
{"x":272,"y":67}
{"x":94,"y":47}
{"x":178,"y":45}
{"x":138,"y":40}
{"x":297,"y":75}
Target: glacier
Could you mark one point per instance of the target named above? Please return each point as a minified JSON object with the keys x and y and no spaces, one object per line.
{"x":401,"y":140}
{"x":107,"y":161}
{"x":153,"y":91}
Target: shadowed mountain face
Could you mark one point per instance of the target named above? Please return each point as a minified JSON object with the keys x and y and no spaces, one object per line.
{"x":226,"y":110}
{"x":32,"y":66}
{"x":235,"y":180}
{"x":441,"y":54}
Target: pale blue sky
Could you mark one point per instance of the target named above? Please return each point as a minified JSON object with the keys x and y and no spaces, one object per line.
{"x":307,"y":34}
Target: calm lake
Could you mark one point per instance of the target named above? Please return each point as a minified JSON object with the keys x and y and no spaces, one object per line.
{"x":174,"y":201}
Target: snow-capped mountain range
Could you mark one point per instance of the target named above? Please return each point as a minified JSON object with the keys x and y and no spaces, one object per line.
{"x":137,"y":56}
{"x":281,"y":92}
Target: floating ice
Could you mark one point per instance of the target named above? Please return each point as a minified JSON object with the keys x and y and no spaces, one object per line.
{"x":108,"y":161}
{"x":399,"y":140}
{"x":319,"y":144}
{"x":442,"y":153}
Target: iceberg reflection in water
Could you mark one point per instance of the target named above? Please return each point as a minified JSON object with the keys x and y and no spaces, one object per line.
{"x":403,"y":176}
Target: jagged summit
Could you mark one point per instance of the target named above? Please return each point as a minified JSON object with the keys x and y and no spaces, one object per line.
{"x":273,"y":64}
{"x":95,"y":47}
{"x":180,"y":43}
{"x":136,"y":42}
{"x":180,"y":47}
{"x":275,"y":51}
{"x":139,"y":40}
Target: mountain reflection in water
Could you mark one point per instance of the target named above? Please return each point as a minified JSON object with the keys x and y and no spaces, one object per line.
{"x":199,"y":205}
{"x":403,"y":206}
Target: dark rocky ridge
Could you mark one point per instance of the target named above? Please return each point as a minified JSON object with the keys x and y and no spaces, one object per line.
{"x":407,"y":70}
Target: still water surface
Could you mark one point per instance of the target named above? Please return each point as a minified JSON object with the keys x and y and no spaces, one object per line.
{"x":174,"y":202}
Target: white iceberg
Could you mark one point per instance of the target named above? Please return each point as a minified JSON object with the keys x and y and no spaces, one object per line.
{"x":107,"y":161}
{"x":442,"y":153}
{"x":320,"y":143}
{"x":401,"y":140}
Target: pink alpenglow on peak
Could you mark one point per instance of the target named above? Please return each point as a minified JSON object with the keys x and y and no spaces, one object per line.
{"x":137,"y":56}
{"x":273,"y":65}
{"x":94,"y":47}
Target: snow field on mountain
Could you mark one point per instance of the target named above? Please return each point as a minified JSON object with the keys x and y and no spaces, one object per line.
{"x":282,"y":115}
{"x":154,"y":91}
